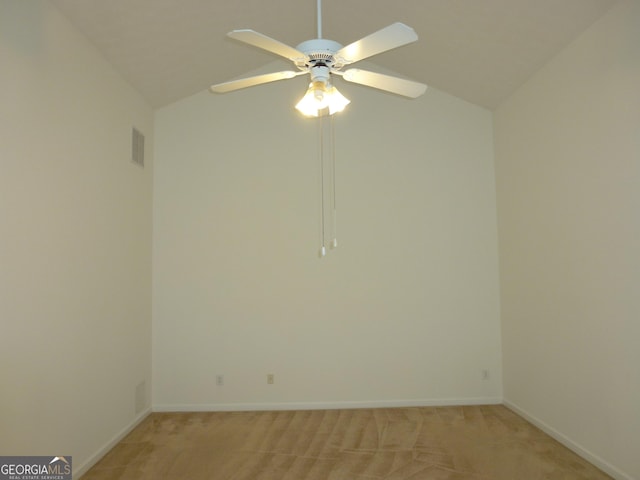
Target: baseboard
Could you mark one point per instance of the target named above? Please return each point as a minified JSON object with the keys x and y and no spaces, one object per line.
{"x":570,"y":444}
{"x":93,"y":459}
{"x":221,"y":407}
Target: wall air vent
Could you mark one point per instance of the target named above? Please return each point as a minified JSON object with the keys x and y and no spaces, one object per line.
{"x":137,"y":147}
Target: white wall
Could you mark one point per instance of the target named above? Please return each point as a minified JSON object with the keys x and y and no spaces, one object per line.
{"x":568,"y":176}
{"x":75,"y":241}
{"x":405,"y":311}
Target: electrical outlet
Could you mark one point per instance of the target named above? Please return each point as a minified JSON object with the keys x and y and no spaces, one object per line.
{"x":219,"y":380}
{"x":271,"y":378}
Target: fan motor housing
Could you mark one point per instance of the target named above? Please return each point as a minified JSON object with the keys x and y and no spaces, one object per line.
{"x":320,"y":51}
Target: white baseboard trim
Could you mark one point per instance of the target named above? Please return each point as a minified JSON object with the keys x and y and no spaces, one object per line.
{"x":240,"y":407}
{"x":93,"y":459}
{"x":570,"y":444}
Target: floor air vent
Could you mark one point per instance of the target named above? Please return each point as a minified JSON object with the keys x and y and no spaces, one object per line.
{"x":137,"y":147}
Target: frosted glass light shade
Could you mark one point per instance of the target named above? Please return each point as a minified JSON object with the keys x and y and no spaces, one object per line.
{"x":320,"y":96}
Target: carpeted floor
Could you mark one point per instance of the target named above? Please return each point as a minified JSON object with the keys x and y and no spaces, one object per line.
{"x":430,"y":443}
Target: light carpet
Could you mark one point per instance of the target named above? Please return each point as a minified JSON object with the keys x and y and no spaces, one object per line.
{"x":430,"y":443}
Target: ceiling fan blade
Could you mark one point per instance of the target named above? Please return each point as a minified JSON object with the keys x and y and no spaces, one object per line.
{"x":251,"y":81}
{"x":393,"y":36}
{"x":266,"y":43}
{"x":399,"y":86}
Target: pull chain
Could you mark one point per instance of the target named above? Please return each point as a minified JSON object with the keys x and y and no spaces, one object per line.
{"x":323,"y":250}
{"x":328,"y":203}
{"x":334,"y":242}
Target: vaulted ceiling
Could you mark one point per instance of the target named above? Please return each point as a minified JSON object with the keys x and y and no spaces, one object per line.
{"x":477,"y":50}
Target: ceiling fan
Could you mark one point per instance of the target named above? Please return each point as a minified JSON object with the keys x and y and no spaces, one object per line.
{"x":322,"y":58}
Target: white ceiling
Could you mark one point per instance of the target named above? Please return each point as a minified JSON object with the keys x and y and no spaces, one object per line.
{"x":477,"y":50}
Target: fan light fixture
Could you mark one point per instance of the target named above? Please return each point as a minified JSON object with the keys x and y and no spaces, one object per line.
{"x":319,"y":97}
{"x":323,"y":60}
